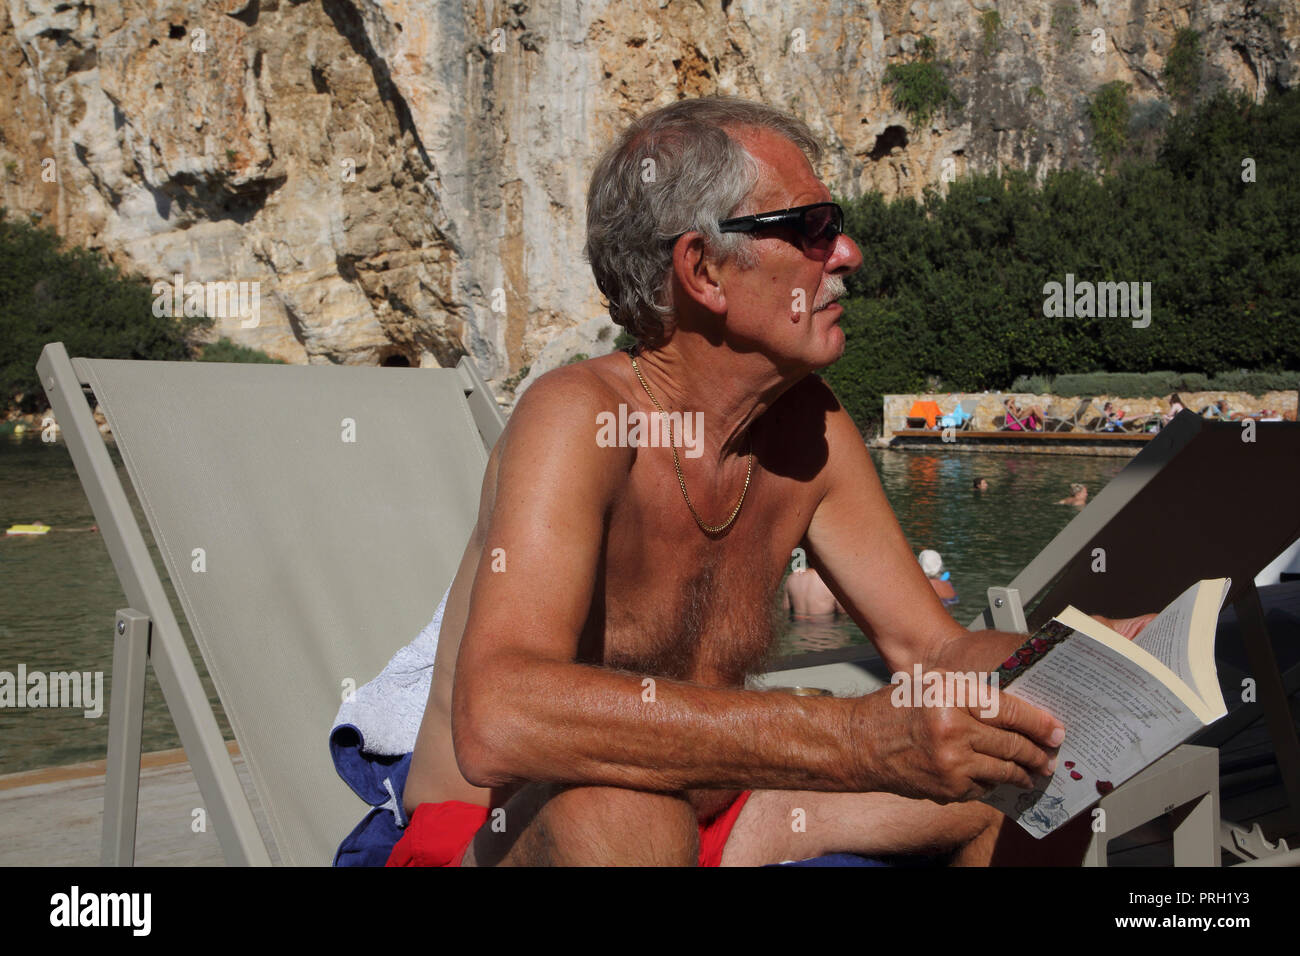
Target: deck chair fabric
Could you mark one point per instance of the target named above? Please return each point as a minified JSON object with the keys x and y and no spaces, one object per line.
{"x":925,"y":411}
{"x":1057,"y":423}
{"x":959,"y":418}
{"x":1022,"y":423}
{"x":310,"y":518}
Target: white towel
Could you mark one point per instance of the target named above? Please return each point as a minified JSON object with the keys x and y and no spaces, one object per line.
{"x":388,"y":709}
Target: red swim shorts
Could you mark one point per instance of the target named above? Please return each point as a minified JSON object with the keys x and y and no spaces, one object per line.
{"x":440,"y":833}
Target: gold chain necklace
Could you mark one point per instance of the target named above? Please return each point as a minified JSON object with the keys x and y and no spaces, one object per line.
{"x":749,"y":470}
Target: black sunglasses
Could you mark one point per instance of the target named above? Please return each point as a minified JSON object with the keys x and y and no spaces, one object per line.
{"x":820,"y":222}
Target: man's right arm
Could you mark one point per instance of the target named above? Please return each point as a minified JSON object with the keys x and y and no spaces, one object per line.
{"x":523,"y":709}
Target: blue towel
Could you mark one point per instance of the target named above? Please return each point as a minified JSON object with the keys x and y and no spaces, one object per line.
{"x":380,"y":782}
{"x":371,"y":743}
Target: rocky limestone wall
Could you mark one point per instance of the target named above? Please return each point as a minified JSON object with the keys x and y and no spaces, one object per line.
{"x":406,"y":180}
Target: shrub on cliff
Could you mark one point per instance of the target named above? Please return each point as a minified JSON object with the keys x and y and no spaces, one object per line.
{"x":224,"y":350}
{"x":920,"y":88}
{"x":1109,"y":112}
{"x":1183,"y":65}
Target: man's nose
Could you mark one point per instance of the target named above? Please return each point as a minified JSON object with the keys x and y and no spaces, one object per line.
{"x":846,"y":257}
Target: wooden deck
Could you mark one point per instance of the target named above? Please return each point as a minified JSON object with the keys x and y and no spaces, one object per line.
{"x":53,"y":817}
{"x":1060,"y":443}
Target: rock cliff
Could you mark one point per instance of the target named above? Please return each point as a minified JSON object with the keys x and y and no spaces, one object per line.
{"x":406,"y":180}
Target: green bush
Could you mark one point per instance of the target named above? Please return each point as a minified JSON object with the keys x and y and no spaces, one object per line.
{"x":952,"y":286}
{"x":1256,"y":383}
{"x":1034,"y":384}
{"x":1109,"y":112}
{"x":224,"y":350}
{"x":990,"y":24}
{"x":1182,"y":73}
{"x":920,"y":88}
{"x":1065,"y":23}
{"x":1160,"y":384}
{"x":511,"y":383}
{"x":51,"y":294}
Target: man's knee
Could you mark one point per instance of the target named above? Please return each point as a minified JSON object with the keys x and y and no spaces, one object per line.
{"x":592,"y":826}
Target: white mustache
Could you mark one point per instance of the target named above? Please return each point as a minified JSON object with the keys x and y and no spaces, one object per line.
{"x":835,"y":289}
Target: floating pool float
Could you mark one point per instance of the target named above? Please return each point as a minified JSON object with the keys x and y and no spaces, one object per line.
{"x":37,"y":528}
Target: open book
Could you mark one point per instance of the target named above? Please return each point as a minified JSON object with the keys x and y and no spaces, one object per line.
{"x":1124,"y":703}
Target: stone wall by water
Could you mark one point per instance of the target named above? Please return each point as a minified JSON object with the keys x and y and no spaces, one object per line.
{"x":985,"y":406}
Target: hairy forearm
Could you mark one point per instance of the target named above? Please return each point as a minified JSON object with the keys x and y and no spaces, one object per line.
{"x":551,"y":721}
{"x":965,"y":650}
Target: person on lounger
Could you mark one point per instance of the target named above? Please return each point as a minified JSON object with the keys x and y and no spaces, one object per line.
{"x":588,"y":701}
{"x":1175,"y":406}
{"x":1112,"y":418}
{"x":1017,"y":419}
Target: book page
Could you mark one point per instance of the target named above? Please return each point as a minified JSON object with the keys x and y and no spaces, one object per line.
{"x":1167,"y":637}
{"x":1171,"y":640}
{"x":1118,"y":719}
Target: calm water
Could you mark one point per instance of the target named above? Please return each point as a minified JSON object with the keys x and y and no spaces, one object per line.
{"x":60,"y":591}
{"x":985,"y":538}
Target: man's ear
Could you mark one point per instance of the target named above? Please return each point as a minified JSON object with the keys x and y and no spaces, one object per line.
{"x":698,"y":274}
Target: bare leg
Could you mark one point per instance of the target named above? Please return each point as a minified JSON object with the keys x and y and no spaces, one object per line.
{"x":550,"y":825}
{"x":884,"y":824}
{"x":778,"y":825}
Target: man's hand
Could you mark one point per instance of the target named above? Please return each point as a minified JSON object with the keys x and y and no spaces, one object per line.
{"x":946,"y":754}
{"x":949,"y":753}
{"x":1129,"y":627}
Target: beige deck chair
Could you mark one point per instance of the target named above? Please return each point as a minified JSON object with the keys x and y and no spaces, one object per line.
{"x":310,"y":518}
{"x":1068,"y":423}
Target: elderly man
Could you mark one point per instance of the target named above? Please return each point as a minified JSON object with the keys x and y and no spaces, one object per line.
{"x":588,"y":704}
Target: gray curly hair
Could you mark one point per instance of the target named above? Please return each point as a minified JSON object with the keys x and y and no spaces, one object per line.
{"x":674,"y":170}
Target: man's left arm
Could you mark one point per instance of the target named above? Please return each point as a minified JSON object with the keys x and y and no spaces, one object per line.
{"x":855,"y":542}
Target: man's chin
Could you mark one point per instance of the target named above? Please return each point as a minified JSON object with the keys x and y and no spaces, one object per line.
{"x":835,"y":344}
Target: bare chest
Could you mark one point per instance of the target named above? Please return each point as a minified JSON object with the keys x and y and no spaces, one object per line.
{"x":677,"y":603}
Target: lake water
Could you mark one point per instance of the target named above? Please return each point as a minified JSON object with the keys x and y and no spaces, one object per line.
{"x":60,"y":592}
{"x":986,"y":537}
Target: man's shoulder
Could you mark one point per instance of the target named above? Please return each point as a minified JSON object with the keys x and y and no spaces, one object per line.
{"x":570,"y":395}
{"x":559,"y":418}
